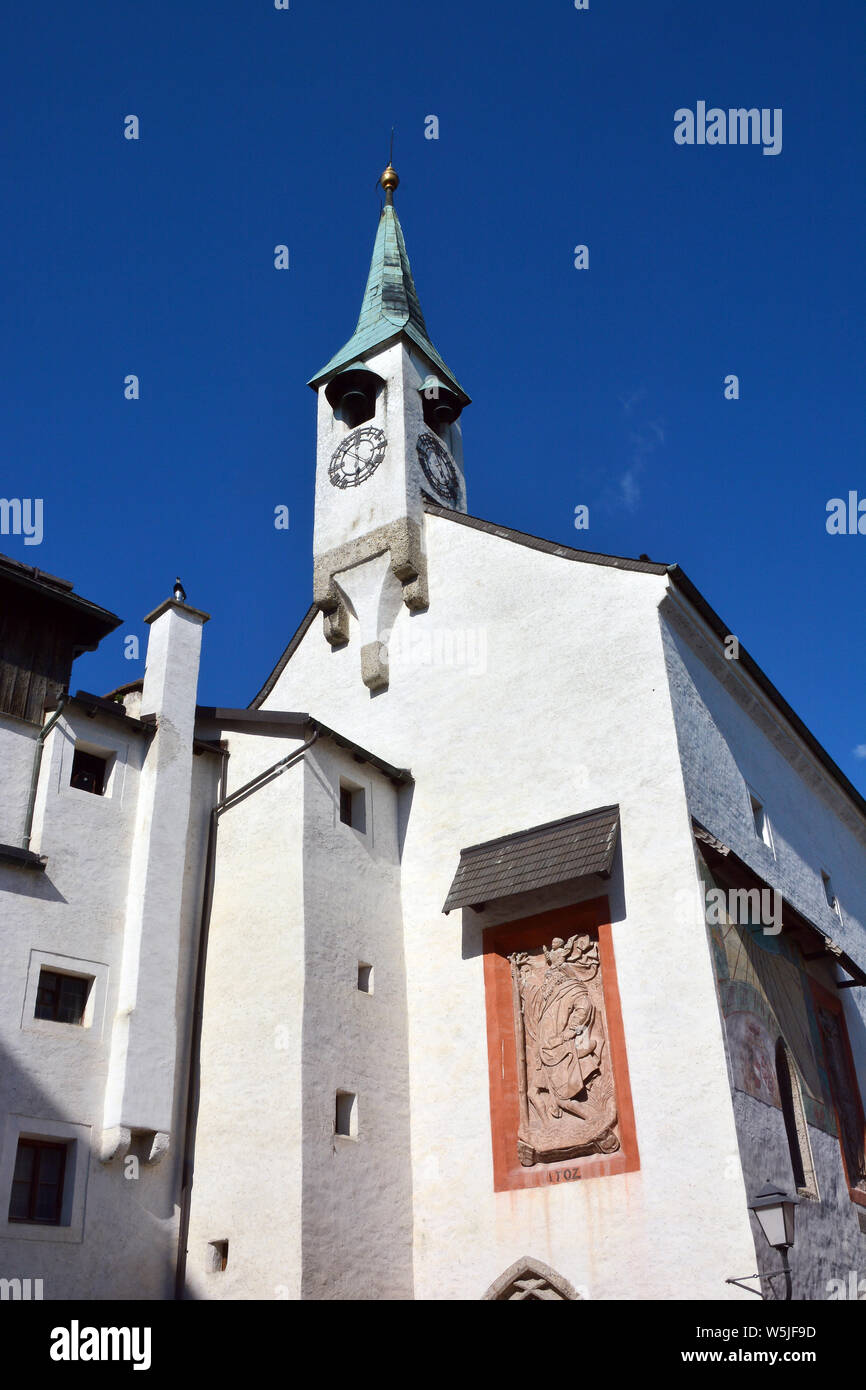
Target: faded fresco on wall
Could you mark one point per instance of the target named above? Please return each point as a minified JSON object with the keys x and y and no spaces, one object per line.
{"x":764,"y":992}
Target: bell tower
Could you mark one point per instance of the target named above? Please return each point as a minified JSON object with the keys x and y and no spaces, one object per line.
{"x":388,"y":435}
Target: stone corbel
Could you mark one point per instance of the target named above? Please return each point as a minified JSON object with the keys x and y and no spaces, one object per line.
{"x":115,"y":1143}
{"x":401,"y":541}
{"x":159,"y":1148}
{"x":374,"y":665}
{"x":336,"y":624}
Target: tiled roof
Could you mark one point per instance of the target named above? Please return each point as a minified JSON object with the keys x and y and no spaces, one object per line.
{"x":536,"y":858}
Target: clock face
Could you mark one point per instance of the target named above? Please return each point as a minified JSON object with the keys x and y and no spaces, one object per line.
{"x":357,"y":457}
{"x":438,"y":467}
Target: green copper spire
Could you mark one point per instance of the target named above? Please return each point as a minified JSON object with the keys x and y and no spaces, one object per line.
{"x":391,"y":305}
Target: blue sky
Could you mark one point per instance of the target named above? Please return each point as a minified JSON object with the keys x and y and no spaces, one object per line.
{"x":603,"y":387}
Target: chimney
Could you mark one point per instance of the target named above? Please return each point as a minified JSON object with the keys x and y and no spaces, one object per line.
{"x":139,"y":1094}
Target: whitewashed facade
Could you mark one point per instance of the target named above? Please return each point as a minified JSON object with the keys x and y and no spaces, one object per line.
{"x":256,"y":897}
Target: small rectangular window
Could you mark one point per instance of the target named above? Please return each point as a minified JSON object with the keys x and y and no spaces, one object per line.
{"x":89,"y":772}
{"x":365,"y":978}
{"x":759,"y":817}
{"x":37,"y":1184}
{"x":218,"y":1251}
{"x":353,"y":806}
{"x":346,"y":1119}
{"x":62,"y":998}
{"x":829,"y":891}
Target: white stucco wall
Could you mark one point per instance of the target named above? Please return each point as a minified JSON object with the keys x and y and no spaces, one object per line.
{"x":357,"y":1191}
{"x":563,"y":706}
{"x":248,"y":1155}
{"x":17,"y":748}
{"x":124,"y":1243}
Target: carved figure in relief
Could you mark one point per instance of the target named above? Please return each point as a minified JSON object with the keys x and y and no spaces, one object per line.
{"x":567,"y":1101}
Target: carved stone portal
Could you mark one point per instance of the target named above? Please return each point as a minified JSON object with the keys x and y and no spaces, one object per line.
{"x":564,"y":1072}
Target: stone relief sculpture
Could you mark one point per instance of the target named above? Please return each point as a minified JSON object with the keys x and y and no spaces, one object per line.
{"x":565,"y":1080}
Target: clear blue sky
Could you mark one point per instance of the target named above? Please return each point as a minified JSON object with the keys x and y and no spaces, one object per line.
{"x":602,"y":387}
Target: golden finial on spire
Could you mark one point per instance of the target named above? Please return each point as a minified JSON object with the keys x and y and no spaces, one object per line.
{"x":389,"y":179}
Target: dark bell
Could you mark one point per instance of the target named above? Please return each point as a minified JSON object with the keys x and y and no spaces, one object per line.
{"x":353,"y":393}
{"x":441,"y":405}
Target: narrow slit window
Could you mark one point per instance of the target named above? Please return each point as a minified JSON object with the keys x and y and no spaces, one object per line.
{"x":346,"y":1118}
{"x":365,"y":978}
{"x":793,"y":1113}
{"x":830,"y":892}
{"x":219,"y":1255}
{"x":760,"y":820}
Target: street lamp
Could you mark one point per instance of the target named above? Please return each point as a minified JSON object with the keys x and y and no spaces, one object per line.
{"x":775,"y":1212}
{"x":774,"y":1209}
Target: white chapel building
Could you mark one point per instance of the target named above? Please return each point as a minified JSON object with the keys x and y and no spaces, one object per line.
{"x":506,"y":946}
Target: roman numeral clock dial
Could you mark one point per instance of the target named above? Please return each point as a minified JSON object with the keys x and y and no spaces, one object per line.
{"x":357,"y":457}
{"x":438,"y":467}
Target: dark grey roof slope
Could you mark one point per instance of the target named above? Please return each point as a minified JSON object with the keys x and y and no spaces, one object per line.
{"x":286,"y":657}
{"x":290,"y":719}
{"x":49,"y":586}
{"x":681,"y":581}
{"x":536,"y":858}
{"x":565,"y":552}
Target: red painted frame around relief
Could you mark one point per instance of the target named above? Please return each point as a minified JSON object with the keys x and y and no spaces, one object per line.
{"x":526,"y":934}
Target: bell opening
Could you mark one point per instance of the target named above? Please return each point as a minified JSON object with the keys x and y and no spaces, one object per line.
{"x":352,"y":396}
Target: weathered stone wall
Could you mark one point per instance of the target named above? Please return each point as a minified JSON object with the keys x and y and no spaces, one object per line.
{"x":730,"y":740}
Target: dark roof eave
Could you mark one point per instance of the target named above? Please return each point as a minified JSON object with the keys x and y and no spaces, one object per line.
{"x":92,"y":705}
{"x":717,"y":852}
{"x":301,"y":632}
{"x":55,"y":590}
{"x":712,"y":619}
{"x":22,"y":858}
{"x":540,"y":856}
{"x":344,"y":357}
{"x":564,"y":552}
{"x":681,"y":581}
{"x":293,"y":719}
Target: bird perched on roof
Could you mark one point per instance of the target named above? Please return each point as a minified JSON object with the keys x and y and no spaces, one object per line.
{"x":179,"y":591}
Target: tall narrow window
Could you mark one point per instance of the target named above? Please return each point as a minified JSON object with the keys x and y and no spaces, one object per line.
{"x":346,"y":1118}
{"x":794,"y":1116}
{"x":830,"y":894}
{"x":37,"y":1184}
